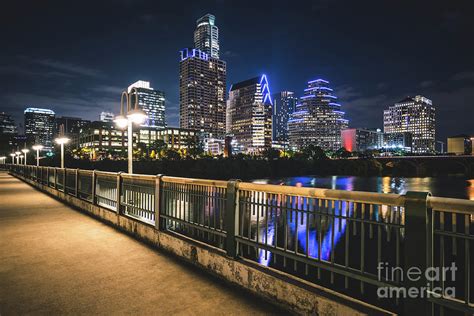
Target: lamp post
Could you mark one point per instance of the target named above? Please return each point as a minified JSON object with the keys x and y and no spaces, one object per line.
{"x":61,"y":140}
{"x":21,"y":159}
{"x":127,"y":119}
{"x":25,"y":151}
{"x":3,"y":159}
{"x":37,"y":148}
{"x":13,"y":158}
{"x":17,"y":153}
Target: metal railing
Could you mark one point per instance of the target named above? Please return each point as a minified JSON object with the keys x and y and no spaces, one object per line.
{"x":334,"y":238}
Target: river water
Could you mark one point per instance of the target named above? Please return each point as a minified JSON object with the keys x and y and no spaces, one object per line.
{"x":447,"y":186}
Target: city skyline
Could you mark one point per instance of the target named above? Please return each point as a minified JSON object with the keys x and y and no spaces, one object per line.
{"x":449,"y":86}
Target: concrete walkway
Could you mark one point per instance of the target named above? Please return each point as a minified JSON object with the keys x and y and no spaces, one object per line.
{"x":55,"y":260}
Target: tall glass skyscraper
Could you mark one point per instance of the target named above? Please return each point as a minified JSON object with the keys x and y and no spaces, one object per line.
{"x":151,"y":101}
{"x":249,"y":115}
{"x":202,"y":86}
{"x":318,"y":119}
{"x":39,"y":126}
{"x":206,"y":36}
{"x":284,"y":103}
{"x":415,"y":115}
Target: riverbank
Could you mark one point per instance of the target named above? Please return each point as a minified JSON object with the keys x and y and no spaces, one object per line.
{"x":245,"y":169}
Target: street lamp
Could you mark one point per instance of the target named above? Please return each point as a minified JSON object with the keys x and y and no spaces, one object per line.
{"x":123,"y":120}
{"x":21,"y":159}
{"x":13,"y":158}
{"x":25,"y":151}
{"x":61,"y":141}
{"x":3,"y":159}
{"x":37,"y":148}
{"x":17,"y":153}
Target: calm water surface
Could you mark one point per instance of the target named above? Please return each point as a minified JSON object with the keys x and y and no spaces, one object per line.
{"x":448,"y":186}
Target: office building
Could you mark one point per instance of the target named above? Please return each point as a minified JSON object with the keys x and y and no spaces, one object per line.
{"x":415,"y":115}
{"x":398,"y":142}
{"x":317,"y":119}
{"x":72,"y":125}
{"x":461,"y":145}
{"x":8,"y":134}
{"x":107,"y":116}
{"x":206,"y":36}
{"x":104,"y":139}
{"x":151,"y":101}
{"x":284,"y":103}
{"x":40,"y":126}
{"x":249,"y":111}
{"x":202,"y":83}
{"x":7,"y":124}
{"x":360,"y":140}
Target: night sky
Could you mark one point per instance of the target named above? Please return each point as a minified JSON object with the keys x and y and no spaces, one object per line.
{"x":75,"y":57}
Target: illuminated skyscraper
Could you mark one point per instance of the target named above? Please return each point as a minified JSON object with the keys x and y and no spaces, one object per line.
{"x":107,"y":116}
{"x":151,"y":101}
{"x":39,"y":126}
{"x":249,"y":111}
{"x":317,"y":119}
{"x":206,"y":36}
{"x":415,"y":115}
{"x":284,"y":104}
{"x":202,"y":83}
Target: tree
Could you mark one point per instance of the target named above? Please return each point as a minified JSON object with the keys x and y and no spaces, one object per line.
{"x":172,"y":154}
{"x":271,"y":153}
{"x":194,"y":147}
{"x":158,"y":146}
{"x":313,"y":152}
{"x":342,"y":153}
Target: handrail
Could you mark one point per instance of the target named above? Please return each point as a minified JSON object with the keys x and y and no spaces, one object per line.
{"x":205,"y":182}
{"x":451,"y":205}
{"x":353,"y":196}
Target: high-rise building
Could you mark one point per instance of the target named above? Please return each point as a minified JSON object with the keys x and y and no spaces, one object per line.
{"x":249,"y":115}
{"x":318,"y":119}
{"x":202,"y":93}
{"x":397,"y":142}
{"x":206,"y":36}
{"x":8,"y":133}
{"x":7,"y":124}
{"x":360,"y":139}
{"x":107,"y":116}
{"x":284,"y":103}
{"x":415,"y":115}
{"x":39,"y":126}
{"x":72,"y":125}
{"x":151,"y":101}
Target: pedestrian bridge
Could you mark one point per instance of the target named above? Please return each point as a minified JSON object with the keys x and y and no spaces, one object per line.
{"x":55,"y":260}
{"x":305,"y":250}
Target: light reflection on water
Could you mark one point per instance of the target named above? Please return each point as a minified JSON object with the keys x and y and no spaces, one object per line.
{"x":456,"y":187}
{"x":448,"y":186}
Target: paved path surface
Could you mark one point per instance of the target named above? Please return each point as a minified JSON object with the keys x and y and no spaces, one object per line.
{"x":55,"y":260}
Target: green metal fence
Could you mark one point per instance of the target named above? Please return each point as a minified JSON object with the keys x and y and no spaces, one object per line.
{"x":342,"y":240}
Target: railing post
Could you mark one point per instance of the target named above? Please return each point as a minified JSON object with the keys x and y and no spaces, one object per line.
{"x":158,"y":197}
{"x":64,"y":180}
{"x":76,"y":183}
{"x":231,"y":218}
{"x":93,"y":187}
{"x":418,"y":250}
{"x":55,"y":178}
{"x":119,"y":190}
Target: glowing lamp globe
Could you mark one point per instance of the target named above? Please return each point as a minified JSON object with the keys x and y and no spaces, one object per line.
{"x":25,"y":151}
{"x":37,"y":147}
{"x":137,"y":116}
{"x":62,"y":140}
{"x":18,"y":153}
{"x":121,"y":121}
